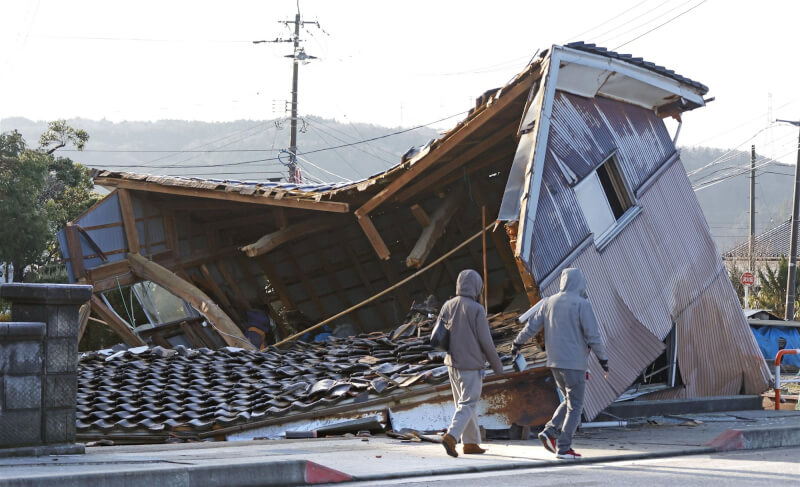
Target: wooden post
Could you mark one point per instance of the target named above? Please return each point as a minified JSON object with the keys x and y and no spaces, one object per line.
{"x":75,"y":252}
{"x":152,"y":271}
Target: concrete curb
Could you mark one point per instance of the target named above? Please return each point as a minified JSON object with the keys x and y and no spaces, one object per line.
{"x":753,"y":439}
{"x":529,"y":465}
{"x":275,"y":473}
{"x":746,"y":439}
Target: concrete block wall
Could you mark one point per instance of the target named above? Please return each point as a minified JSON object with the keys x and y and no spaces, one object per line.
{"x":39,"y":363}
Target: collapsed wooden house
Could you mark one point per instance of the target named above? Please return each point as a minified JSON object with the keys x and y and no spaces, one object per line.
{"x":572,"y":158}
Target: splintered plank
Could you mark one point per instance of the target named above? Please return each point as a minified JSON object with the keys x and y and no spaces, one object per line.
{"x":152,"y":271}
{"x":431,"y":234}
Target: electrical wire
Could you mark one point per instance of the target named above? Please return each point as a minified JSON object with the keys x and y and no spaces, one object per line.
{"x":661,"y":25}
{"x":240,"y":163}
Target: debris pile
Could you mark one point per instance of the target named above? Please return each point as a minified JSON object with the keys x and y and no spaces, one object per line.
{"x":178,"y":392}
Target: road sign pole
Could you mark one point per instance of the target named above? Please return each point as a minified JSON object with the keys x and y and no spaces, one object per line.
{"x":747,"y":297}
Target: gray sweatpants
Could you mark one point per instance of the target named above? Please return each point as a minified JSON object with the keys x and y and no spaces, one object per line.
{"x":466,"y":385}
{"x":572,"y":385}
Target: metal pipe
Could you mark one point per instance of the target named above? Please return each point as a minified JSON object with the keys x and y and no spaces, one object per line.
{"x":485,"y":268}
{"x":604,"y":424}
{"x":778,"y":359}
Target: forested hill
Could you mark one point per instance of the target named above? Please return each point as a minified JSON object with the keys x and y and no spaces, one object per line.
{"x":236,"y":150}
{"x":244,"y":149}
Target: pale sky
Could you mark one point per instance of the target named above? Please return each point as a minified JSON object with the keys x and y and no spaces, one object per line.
{"x":401,"y":63}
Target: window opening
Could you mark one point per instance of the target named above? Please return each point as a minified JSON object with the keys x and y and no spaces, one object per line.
{"x":604,"y":197}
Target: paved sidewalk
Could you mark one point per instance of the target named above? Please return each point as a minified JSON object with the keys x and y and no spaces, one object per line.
{"x":282,"y":462}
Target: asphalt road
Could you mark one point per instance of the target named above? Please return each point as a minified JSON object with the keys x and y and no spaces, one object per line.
{"x":747,"y":468}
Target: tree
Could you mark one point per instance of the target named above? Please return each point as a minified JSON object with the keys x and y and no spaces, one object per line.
{"x":772,"y":295}
{"x":39,"y":194}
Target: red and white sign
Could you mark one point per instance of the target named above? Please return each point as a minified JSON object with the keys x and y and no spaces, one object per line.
{"x":748,"y":279}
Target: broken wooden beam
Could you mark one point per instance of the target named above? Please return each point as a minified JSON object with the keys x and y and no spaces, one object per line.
{"x":277,"y":238}
{"x":430,"y":234}
{"x":374,"y":237}
{"x":167,"y":279}
{"x":115,"y":322}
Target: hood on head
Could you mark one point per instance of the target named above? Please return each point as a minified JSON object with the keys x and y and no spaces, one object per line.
{"x":572,"y":281}
{"x":469,"y":284}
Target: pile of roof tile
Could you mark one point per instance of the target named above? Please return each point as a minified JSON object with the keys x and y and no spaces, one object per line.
{"x":157,"y":390}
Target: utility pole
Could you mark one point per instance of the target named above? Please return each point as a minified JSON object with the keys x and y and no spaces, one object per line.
{"x":790,"y":283}
{"x":298,"y":55}
{"x":752,"y":240}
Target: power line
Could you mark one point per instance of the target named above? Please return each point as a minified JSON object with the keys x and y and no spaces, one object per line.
{"x":239,"y":163}
{"x":646,"y":22}
{"x":661,"y":25}
{"x":173,"y":151}
{"x":577,"y":36}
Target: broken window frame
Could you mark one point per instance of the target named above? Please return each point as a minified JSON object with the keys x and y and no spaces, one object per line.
{"x":592,"y":194}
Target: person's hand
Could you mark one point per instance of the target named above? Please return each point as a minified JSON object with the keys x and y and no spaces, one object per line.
{"x":515,"y":349}
{"x":604,"y":366}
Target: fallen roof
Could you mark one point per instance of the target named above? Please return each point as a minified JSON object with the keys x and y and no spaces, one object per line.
{"x":184,"y":392}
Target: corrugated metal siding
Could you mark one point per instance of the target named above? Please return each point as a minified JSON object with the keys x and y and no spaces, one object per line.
{"x":583,"y":132}
{"x":664,"y":267}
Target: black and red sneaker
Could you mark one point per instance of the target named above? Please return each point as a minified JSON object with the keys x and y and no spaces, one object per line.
{"x":548,"y":442}
{"x":570,"y":455}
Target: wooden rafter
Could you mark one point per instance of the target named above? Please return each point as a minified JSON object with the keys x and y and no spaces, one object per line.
{"x":374,"y":237}
{"x":128,"y":220}
{"x":420,"y":215}
{"x":277,"y":238}
{"x":478,"y":152}
{"x":152,"y":271}
{"x":463,"y":133}
{"x":285,"y":201}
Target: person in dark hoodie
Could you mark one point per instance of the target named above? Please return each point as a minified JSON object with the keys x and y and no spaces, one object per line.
{"x":471,"y":346}
{"x":570,"y":332}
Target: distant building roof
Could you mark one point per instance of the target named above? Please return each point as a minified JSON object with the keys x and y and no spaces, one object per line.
{"x":770,"y":245}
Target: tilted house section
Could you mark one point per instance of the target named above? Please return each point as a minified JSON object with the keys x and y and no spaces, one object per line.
{"x":572,"y":154}
{"x":604,"y":190}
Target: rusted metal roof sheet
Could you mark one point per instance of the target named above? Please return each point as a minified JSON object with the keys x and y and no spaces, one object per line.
{"x":652,"y":275}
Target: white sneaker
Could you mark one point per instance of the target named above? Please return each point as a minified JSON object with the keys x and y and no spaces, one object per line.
{"x":570,"y":455}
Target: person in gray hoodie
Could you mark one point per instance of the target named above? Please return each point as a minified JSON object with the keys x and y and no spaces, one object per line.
{"x":570,"y":332}
{"x":471,"y":346}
